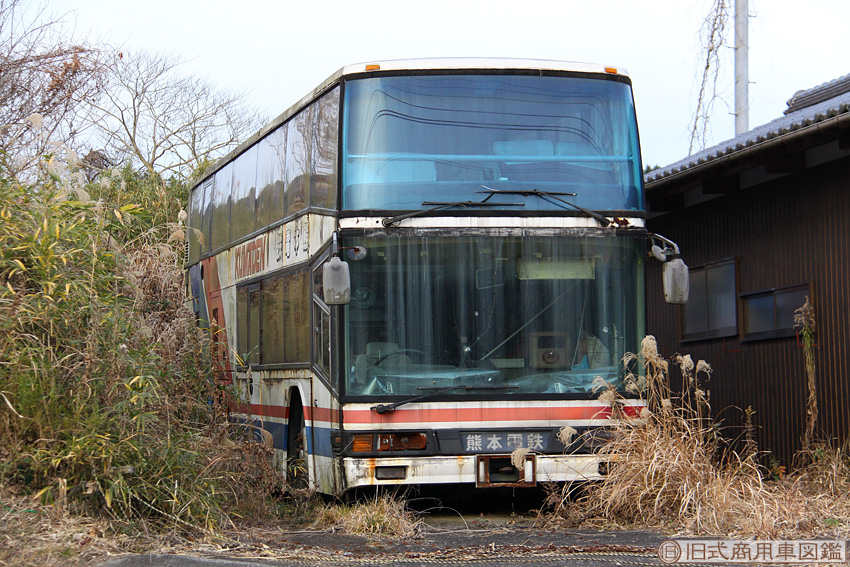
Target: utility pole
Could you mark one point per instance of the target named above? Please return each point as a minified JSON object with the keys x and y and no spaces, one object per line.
{"x":742,"y":71}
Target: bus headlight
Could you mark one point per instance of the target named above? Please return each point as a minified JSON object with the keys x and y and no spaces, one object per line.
{"x":402,"y":441}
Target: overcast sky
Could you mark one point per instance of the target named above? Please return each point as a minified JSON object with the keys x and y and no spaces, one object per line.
{"x":278,"y":50}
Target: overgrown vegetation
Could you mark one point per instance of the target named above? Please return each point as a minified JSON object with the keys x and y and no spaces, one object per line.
{"x":108,"y":404}
{"x":669,"y":469}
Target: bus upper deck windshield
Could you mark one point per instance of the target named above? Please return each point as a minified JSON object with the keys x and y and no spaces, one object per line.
{"x":414,"y":140}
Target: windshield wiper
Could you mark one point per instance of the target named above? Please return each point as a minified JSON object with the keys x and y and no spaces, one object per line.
{"x":387,"y":408}
{"x":438,"y":206}
{"x":550,"y":195}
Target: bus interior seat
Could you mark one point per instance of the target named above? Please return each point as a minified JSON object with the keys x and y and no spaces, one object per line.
{"x":376,"y":353}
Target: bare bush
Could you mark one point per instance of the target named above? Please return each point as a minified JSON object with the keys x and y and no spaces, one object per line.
{"x":46,"y":78}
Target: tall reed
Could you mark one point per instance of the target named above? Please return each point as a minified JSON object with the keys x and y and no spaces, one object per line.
{"x":668,"y":468}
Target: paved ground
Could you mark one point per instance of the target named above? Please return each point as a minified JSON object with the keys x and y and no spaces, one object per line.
{"x":500,"y":529}
{"x":486,"y":543}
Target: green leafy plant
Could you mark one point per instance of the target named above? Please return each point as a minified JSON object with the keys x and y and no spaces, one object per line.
{"x":107,"y":398}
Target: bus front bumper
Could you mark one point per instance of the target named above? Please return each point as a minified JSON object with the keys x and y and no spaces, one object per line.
{"x":481,"y":470}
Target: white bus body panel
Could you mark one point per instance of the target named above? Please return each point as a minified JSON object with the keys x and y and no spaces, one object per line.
{"x":462,"y":469}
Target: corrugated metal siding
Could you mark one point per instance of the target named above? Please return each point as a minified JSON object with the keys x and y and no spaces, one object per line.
{"x":785,"y":232}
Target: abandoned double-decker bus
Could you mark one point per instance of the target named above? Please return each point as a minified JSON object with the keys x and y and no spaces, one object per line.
{"x":420,"y":273}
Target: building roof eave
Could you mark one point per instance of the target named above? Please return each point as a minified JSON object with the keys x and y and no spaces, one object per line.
{"x":804,"y":123}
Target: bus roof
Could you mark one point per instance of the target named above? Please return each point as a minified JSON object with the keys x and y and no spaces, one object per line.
{"x":483,"y":63}
{"x":424,"y":64}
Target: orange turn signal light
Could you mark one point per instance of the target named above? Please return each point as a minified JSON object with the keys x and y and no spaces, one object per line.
{"x":373,"y":67}
{"x":612,"y":70}
{"x":361,"y":444}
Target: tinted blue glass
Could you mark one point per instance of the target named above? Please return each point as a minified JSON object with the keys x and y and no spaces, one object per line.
{"x":409,"y":140}
{"x":759,"y":314}
{"x":787,"y":302}
{"x":519,"y":315}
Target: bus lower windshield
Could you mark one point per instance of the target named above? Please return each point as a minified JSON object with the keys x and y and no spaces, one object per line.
{"x":480,"y":315}
{"x":411,"y":140}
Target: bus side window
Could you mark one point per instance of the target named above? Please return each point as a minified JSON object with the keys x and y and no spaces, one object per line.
{"x":321,"y":322}
{"x":248,"y":324}
{"x":324,"y":150}
{"x":298,"y":159}
{"x":322,"y":337}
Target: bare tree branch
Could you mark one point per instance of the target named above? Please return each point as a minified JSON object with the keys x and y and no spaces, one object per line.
{"x":713,"y":38}
{"x":44,"y":74}
{"x":166,"y":121}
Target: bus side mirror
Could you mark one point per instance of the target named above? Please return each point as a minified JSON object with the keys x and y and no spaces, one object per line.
{"x":336,"y":282}
{"x":674,"y":274}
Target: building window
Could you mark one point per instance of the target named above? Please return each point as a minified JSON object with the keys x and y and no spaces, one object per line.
{"x":770,"y":314}
{"x":711,"y":310}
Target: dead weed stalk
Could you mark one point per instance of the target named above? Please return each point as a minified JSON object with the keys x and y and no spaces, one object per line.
{"x":667,"y":469}
{"x":383,"y":515}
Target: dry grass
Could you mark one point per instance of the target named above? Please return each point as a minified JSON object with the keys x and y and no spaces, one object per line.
{"x":380,"y":516}
{"x":108,"y":401}
{"x":32,"y":534}
{"x":669,"y":472}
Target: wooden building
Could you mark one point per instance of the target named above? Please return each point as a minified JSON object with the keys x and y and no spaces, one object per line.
{"x":763,"y":221}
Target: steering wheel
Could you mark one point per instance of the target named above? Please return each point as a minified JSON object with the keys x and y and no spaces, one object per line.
{"x":400,"y":352}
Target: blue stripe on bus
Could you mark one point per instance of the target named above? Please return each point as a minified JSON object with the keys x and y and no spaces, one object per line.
{"x":318,"y":438}
{"x":319,"y":441}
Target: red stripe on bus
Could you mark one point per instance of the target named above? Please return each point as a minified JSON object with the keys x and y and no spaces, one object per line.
{"x":443,"y":415}
{"x":263,"y":410}
{"x":318,"y":414}
{"x":325,"y":414}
